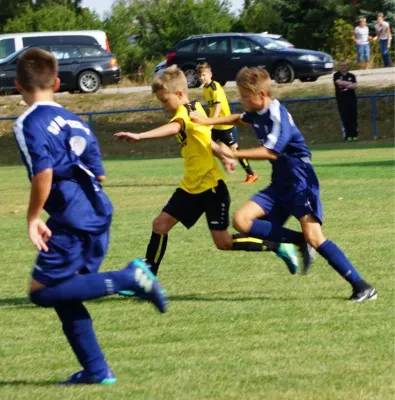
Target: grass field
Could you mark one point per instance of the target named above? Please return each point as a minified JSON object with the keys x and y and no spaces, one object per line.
{"x":239,"y":326}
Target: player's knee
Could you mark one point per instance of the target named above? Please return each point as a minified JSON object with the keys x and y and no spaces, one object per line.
{"x":160,"y":226}
{"x":314,"y":239}
{"x":241,"y":222}
{"x":39,"y":299}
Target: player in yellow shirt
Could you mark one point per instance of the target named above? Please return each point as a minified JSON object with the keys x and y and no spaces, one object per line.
{"x":219,"y":107}
{"x":202,"y":189}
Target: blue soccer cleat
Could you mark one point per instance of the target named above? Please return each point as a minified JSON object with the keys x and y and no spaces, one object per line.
{"x":287,"y":252}
{"x":82,"y":378}
{"x":146,"y":286}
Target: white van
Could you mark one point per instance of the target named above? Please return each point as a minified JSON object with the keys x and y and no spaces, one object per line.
{"x":11,"y":42}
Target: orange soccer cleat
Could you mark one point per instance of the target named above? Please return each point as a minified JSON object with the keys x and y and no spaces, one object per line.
{"x":251,"y":178}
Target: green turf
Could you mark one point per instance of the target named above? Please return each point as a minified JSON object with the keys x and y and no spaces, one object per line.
{"x":239,"y":325}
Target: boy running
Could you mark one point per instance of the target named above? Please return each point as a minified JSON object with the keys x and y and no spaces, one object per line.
{"x":294,"y":189}
{"x":219,"y":107}
{"x":64,"y":165}
{"x":203,"y":189}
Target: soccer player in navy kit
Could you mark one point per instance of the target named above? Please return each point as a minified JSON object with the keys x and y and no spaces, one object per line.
{"x":64,"y":165}
{"x":294,"y":189}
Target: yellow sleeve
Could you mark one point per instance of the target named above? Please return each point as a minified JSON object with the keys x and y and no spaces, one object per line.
{"x":181,"y":116}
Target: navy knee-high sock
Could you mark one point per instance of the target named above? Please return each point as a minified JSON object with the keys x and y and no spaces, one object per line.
{"x":80,"y":288}
{"x":340,"y":263}
{"x":264,"y":229}
{"x":78,"y":328}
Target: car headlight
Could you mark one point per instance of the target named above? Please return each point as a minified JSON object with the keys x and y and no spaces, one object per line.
{"x":309,"y":57}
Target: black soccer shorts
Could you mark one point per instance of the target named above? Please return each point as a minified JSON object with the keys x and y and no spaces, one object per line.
{"x":225,"y":136}
{"x":188,"y":208}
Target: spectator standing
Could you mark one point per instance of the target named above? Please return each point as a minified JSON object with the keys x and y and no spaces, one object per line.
{"x":345,"y":85}
{"x":383,"y":33}
{"x":361,"y":38}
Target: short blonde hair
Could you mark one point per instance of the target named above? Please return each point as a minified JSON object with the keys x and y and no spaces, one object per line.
{"x":203,"y":66}
{"x":36,"y":69}
{"x":254,"y":79}
{"x":172,"y":80}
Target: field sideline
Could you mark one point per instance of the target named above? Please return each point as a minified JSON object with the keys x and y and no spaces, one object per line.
{"x":239,"y":325}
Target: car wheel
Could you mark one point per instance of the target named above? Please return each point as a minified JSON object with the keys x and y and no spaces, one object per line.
{"x":284,"y":73}
{"x":192,"y":77}
{"x":308,"y":79}
{"x":88,"y":82}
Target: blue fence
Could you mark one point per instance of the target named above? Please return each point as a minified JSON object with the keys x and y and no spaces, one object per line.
{"x":372,"y":97}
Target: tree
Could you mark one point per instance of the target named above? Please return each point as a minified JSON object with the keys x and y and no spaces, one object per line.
{"x":119,"y":25}
{"x":262,"y":16}
{"x":55,"y":18}
{"x":163,"y":23}
{"x":9,"y":9}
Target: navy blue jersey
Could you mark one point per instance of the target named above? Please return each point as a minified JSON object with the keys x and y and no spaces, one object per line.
{"x":48,"y":136}
{"x":276,"y":130}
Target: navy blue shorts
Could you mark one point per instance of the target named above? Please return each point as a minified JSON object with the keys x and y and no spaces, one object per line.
{"x":279,"y":206}
{"x":70,"y":252}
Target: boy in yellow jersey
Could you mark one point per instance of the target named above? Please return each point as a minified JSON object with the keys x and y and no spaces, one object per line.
{"x":219,"y":107}
{"x":202,"y":189}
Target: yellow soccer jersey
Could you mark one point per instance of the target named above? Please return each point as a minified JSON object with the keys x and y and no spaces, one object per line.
{"x":201,"y":170}
{"x":214,"y":94}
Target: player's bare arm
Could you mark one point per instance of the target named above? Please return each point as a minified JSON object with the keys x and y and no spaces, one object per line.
{"x":39,"y":233}
{"x":256,"y":153}
{"x":234,"y":119}
{"x":163,"y":131}
{"x":225,"y":154}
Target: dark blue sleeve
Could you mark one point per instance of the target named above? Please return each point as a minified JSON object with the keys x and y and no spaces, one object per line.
{"x":281,"y":134}
{"x":247,"y":117}
{"x":92,"y":158}
{"x":33,"y":144}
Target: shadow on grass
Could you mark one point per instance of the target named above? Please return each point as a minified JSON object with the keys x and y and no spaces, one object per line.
{"x":24,"y":302}
{"x":28,"y":383}
{"x":384,"y":163}
{"x":122,"y":185}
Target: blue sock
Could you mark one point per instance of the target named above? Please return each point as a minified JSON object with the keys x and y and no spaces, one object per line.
{"x":78,"y":328}
{"x":338,"y":260}
{"x":80,"y":288}
{"x":264,"y":229}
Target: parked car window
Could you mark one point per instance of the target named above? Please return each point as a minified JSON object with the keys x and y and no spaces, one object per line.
{"x":187,"y":48}
{"x":241,"y":46}
{"x":65,"y":52}
{"x":40,"y":40}
{"x":90,"y":51}
{"x":214,"y":45}
{"x":7,"y":47}
{"x":77,"y":39}
{"x":268,"y":44}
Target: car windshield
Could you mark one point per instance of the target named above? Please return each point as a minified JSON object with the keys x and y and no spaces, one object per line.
{"x":269,"y":44}
{"x":12,"y":56}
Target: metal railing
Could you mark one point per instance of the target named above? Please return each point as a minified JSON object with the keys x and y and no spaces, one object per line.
{"x":372,"y":97}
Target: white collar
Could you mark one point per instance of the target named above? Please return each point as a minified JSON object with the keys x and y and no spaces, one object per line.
{"x":46,"y":103}
{"x":274,"y":108}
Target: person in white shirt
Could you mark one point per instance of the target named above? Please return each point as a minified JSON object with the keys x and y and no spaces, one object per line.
{"x":361,"y":38}
{"x":383,"y":32}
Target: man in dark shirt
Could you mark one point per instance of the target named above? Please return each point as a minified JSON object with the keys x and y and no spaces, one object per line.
{"x":345,"y":85}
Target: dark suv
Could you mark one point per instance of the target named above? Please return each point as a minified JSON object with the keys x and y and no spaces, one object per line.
{"x":82,"y":68}
{"x":227,"y":53}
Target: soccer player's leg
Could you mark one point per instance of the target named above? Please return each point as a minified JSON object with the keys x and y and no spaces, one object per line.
{"x":68,"y":272}
{"x":182,"y":207}
{"x":228,"y":138}
{"x":312,"y":230}
{"x":217,"y":213}
{"x":254,"y":219}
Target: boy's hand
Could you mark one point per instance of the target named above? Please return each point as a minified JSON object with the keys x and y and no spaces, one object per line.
{"x":229,"y":165}
{"x":39,"y":233}
{"x":197,"y":118}
{"x":129,"y":137}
